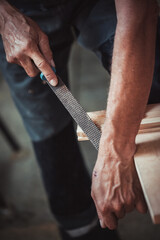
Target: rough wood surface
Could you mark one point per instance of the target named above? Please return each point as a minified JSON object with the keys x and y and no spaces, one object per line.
{"x":147,"y":157}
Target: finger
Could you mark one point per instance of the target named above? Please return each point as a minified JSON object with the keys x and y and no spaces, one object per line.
{"x":102,"y":223}
{"x":140,"y":202}
{"x":45,"y":49}
{"x":110,"y":221}
{"x":44,"y":67}
{"x":100,"y":216}
{"x":106,"y":219}
{"x":29,"y":66}
{"x":11,"y":59}
{"x":121,"y":213}
{"x":141,"y":205}
{"x":130,"y":203}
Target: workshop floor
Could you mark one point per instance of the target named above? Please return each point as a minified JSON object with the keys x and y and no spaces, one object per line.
{"x":20,"y":180}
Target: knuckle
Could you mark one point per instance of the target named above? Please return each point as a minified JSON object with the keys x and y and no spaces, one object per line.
{"x":118,"y":207}
{"x":103,"y":208}
{"x":27,"y":45}
{"x":49,"y":76}
{"x":31,"y":74}
{"x":17,"y":55}
{"x":129,"y":202}
{"x":31,"y":71}
{"x":10,"y":59}
{"x":41,"y":65}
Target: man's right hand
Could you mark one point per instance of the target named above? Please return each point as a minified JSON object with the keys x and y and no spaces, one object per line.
{"x":25,"y":44}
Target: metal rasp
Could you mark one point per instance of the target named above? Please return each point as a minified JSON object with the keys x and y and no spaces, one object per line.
{"x":75,"y":110}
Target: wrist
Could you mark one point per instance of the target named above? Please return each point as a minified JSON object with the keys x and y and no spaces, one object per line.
{"x":122,"y":145}
{"x":120,"y":130}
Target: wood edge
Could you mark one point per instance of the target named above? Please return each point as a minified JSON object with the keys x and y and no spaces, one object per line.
{"x":80,"y":139}
{"x":150,"y":121}
{"x":155,"y":218}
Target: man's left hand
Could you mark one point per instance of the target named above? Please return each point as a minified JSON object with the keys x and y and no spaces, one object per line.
{"x":116,"y":188}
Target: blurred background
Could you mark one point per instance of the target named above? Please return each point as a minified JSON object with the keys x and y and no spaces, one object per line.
{"x":24,"y":211}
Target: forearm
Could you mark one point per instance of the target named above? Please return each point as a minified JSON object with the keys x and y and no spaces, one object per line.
{"x":132,"y":73}
{"x":115,"y":186}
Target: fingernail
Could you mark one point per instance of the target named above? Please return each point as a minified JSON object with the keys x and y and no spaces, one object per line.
{"x":53,"y":82}
{"x":101,"y":223}
{"x":52,"y":63}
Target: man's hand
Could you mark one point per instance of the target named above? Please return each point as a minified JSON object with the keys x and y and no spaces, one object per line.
{"x":115,"y":186}
{"x":25,"y":44}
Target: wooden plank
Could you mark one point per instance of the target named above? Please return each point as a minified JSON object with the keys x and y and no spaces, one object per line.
{"x":150,"y":121}
{"x":147,"y":161}
{"x":147,"y":157}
